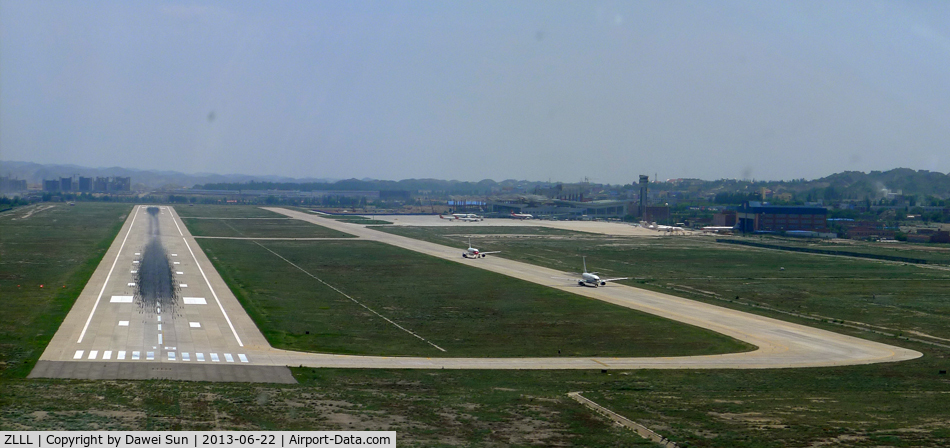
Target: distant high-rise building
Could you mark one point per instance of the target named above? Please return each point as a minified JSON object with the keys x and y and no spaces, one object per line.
{"x":85,"y":183}
{"x":51,"y":185}
{"x":88,"y":184}
{"x":12,"y":184}
{"x":122,"y":184}
{"x":101,"y":184}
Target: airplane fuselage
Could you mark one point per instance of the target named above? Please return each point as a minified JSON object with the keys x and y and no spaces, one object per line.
{"x":591,"y":279}
{"x":467,"y":217}
{"x":472,"y":253}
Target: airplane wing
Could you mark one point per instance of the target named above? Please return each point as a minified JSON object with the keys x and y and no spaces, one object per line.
{"x":570,"y":279}
{"x":493,"y":252}
{"x":614,"y":279}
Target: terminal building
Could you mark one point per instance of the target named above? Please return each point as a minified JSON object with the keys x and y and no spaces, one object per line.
{"x":759,"y":217}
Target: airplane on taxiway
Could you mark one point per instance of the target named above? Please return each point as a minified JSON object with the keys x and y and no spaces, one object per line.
{"x":466,"y":217}
{"x":591,"y":278}
{"x":472,"y":252}
{"x":662,"y":228}
{"x":521,"y":215}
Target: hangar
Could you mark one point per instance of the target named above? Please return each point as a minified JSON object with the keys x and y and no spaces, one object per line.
{"x":759,"y":217}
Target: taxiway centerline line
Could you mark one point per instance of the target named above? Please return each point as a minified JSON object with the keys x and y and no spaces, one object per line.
{"x":96,"y":305}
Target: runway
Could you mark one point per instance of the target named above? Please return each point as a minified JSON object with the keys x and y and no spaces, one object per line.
{"x":200,"y":332}
{"x":156,"y":300}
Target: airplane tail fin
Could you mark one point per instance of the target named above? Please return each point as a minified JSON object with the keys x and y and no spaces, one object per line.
{"x":585,"y":264}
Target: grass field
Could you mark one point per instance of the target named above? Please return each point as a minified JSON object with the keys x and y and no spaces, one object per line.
{"x":932,"y":253}
{"x":894,"y":405}
{"x":259,"y":227}
{"x":905,"y":298}
{"x":898,"y":405}
{"x":223,"y":211}
{"x":465,"y":311}
{"x":47,"y":253}
{"x":245,"y":221}
{"x":425,"y":408}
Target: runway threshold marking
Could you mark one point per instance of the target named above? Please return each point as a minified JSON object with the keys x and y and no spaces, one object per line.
{"x":352,"y":299}
{"x":96,"y":305}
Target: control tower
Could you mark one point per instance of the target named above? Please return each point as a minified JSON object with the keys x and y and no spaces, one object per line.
{"x":644,"y":182}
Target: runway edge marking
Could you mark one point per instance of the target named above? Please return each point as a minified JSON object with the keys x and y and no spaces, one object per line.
{"x":208,"y":282}
{"x":96,"y":305}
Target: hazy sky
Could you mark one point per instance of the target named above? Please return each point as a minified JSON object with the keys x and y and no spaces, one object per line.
{"x":531,"y":90}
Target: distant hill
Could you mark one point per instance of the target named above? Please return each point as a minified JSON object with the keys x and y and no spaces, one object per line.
{"x":34,"y":173}
{"x":844,"y":185}
{"x":442,"y":187}
{"x":911,"y":182}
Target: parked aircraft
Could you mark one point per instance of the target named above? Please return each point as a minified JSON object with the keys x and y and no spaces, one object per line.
{"x":472,"y":252}
{"x":662,"y":228}
{"x":521,"y":215}
{"x":467,"y":217}
{"x":592,"y":279}
{"x":718,"y":229}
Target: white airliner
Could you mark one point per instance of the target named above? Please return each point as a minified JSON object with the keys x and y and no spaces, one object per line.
{"x":472,"y":252}
{"x":521,"y":215}
{"x":591,"y":278}
{"x":467,"y":217}
{"x":661,"y":228}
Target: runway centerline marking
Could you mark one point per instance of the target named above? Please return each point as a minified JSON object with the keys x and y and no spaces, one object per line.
{"x":105,"y":283}
{"x":352,"y":299}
